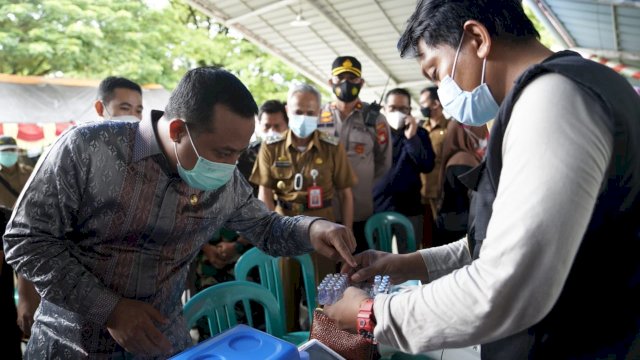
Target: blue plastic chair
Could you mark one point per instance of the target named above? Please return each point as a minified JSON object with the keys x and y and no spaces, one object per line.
{"x":381,"y":223}
{"x":217,"y":304}
{"x":270,"y":278}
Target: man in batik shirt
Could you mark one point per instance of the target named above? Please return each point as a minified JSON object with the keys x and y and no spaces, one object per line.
{"x":116,"y":211}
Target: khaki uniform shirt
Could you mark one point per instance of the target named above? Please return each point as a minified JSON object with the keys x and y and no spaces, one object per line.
{"x":16,"y":177}
{"x":431,"y":181}
{"x":279,"y":161}
{"x":368,"y":149}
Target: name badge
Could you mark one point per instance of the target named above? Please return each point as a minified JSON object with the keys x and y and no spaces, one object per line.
{"x":314,"y":197}
{"x":281,"y":164}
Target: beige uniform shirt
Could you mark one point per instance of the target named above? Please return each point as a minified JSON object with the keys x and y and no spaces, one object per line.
{"x":431,"y":181}
{"x":279,"y":161}
{"x":368,"y":149}
{"x":16,"y":176}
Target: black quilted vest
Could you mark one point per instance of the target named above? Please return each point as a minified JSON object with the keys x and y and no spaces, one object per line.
{"x":598,"y":312}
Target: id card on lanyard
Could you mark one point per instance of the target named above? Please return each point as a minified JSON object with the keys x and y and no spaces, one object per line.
{"x":314,"y":193}
{"x":314,"y":197}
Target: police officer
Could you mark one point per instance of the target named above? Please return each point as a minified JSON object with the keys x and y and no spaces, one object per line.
{"x":303,"y":170}
{"x":364,"y":133}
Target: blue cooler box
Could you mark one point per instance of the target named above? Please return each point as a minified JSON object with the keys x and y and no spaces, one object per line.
{"x":242,"y":342}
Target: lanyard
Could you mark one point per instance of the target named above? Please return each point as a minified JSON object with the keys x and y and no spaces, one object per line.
{"x":298,"y":180}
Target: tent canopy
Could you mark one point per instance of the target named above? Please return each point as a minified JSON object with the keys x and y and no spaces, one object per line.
{"x":607,"y":31}
{"x":370,"y":29}
{"x":366,"y":29}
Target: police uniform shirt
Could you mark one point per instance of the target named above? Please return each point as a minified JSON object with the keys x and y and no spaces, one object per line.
{"x":368,"y":149}
{"x":279,"y":161}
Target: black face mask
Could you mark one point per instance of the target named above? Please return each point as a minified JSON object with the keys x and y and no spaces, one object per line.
{"x":347,"y":91}
{"x":426,"y":112}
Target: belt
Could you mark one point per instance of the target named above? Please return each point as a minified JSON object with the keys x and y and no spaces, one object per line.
{"x":300,"y":207}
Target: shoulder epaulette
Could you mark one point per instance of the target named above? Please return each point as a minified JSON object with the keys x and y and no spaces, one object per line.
{"x":333,"y":140}
{"x":273,"y":139}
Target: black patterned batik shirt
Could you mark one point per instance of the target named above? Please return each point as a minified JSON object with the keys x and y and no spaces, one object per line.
{"x":104,"y":217}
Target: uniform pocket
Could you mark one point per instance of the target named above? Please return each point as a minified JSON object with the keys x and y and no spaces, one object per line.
{"x":282,"y":178}
{"x":281,"y":173}
{"x":360,"y":142}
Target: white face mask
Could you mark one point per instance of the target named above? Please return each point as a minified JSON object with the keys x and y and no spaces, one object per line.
{"x":270,"y":134}
{"x":128,"y":118}
{"x":396,"y":119}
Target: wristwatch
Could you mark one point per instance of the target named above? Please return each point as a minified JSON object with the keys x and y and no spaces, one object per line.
{"x":366,"y":319}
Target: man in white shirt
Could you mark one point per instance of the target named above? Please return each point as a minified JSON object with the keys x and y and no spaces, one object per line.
{"x":540,"y":274}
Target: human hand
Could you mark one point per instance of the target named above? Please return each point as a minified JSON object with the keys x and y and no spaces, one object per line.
{"x":399,"y":267}
{"x":132,"y":325}
{"x":27,"y":306}
{"x":212,"y":253}
{"x":410,"y":126}
{"x":28,"y":302}
{"x":344,"y":312}
{"x":333,"y":240}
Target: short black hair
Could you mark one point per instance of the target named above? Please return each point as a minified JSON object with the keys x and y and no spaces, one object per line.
{"x":273,"y":107}
{"x":398,"y":91}
{"x":202,"y":88}
{"x":433,"y":92}
{"x":440,"y":22}
{"x":109,"y":85}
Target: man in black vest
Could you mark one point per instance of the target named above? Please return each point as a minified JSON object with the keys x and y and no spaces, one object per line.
{"x":541,"y":274}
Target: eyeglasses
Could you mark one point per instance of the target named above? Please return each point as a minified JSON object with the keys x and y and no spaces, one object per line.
{"x":346,"y":76}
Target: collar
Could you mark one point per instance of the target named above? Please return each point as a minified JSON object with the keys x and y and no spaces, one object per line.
{"x":315,"y":139}
{"x":146,"y":142}
{"x":358,"y":106}
{"x":440,"y":124}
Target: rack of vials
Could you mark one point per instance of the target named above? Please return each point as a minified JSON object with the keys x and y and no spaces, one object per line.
{"x":333,"y":286}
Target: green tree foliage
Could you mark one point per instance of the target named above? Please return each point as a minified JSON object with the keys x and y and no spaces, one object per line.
{"x":92,"y":39}
{"x":545,"y":36}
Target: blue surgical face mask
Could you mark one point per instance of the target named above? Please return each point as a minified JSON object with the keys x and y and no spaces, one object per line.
{"x":474,"y":108}
{"x":303,"y":125}
{"x":206,"y":175}
{"x":8,"y":158}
